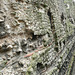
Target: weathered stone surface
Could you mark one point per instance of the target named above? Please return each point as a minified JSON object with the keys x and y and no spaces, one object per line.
{"x":37,"y":37}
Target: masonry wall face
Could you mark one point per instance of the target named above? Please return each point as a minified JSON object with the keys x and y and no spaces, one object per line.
{"x":37,"y":37}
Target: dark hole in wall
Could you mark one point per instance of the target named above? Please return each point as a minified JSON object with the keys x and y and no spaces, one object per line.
{"x":64,"y":42}
{"x":69,"y":28}
{"x":53,"y":28}
{"x":62,"y":18}
{"x":46,"y":65}
{"x":50,"y":15}
{"x":39,"y":66}
{"x":60,"y":43}
{"x":30,"y":34}
{"x":34,"y":37}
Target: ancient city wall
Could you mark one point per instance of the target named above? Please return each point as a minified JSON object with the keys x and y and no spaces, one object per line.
{"x":37,"y":37}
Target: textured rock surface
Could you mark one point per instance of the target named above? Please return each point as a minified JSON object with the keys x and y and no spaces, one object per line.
{"x":37,"y":37}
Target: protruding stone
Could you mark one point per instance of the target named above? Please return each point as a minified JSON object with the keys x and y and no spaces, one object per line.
{"x":1,"y":11}
{"x":7,"y":26}
{"x":74,"y":1}
{"x":9,"y":46}
{"x":19,"y":50}
{"x":41,"y":11}
{"x":8,"y":58}
{"x":13,"y":13}
{"x":2,"y":33}
{"x":46,"y":38}
{"x":59,"y":60}
{"x":4,"y":48}
{"x":31,"y":44}
{"x":10,"y":53}
{"x":21,"y":62}
{"x":15,"y":23}
{"x":4,"y":58}
{"x":1,"y":19}
{"x":68,"y":6}
{"x":0,"y":45}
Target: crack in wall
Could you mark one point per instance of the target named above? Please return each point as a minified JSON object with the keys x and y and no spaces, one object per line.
{"x":53,"y":29}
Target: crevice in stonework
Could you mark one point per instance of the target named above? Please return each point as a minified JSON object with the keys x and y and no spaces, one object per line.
{"x":66,"y":63}
{"x":36,"y":37}
{"x":62,"y":18}
{"x":40,"y":68}
{"x":3,"y":33}
{"x":49,"y":13}
{"x":60,"y":43}
{"x":64,"y":42}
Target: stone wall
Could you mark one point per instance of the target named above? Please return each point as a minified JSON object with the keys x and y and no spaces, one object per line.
{"x":37,"y":37}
